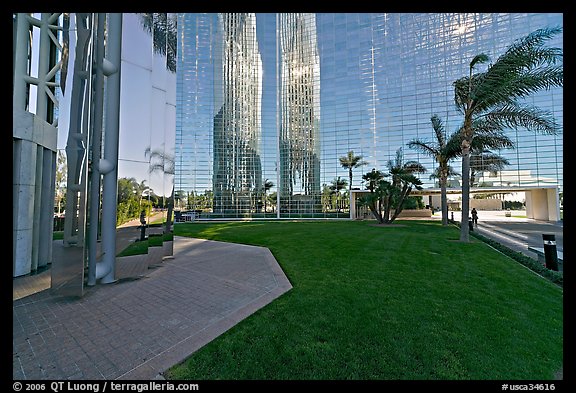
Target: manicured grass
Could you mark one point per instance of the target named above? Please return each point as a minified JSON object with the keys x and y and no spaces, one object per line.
{"x":136,"y":248}
{"x":57,"y":235}
{"x":155,"y":240}
{"x":408,"y":301}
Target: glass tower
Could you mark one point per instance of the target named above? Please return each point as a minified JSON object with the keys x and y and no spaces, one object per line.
{"x":299,"y":114}
{"x":266,"y":141}
{"x":237,"y":175}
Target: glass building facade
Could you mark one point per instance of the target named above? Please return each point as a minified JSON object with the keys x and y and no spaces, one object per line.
{"x":267,"y":103}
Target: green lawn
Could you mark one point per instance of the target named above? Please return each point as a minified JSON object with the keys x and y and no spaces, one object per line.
{"x":403,"y":302}
{"x":135,"y":248}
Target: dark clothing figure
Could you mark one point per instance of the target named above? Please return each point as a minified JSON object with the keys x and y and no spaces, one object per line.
{"x":474,"y":216}
{"x":143,"y":217}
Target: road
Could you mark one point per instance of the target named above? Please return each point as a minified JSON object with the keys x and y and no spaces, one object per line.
{"x":517,"y":232}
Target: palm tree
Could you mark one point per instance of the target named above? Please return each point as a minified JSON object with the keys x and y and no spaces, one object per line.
{"x":442,"y":150}
{"x":265,"y":188}
{"x":403,"y":179}
{"x":163,"y":29}
{"x":387,"y":195}
{"x":350,"y":162}
{"x":491,"y":98}
{"x":160,"y":161}
{"x":378,"y":187}
{"x":142,"y":190}
{"x":337,"y":185}
{"x":485,"y":161}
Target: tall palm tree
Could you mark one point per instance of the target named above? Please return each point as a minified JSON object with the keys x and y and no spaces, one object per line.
{"x":351,"y":161}
{"x":442,"y":150}
{"x":491,"y":97}
{"x":163,"y":29}
{"x":485,"y":161}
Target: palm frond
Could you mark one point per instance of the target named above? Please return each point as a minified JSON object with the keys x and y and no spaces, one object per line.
{"x":523,"y":69}
{"x":438,"y":128}
{"x":451,"y":172}
{"x":414,"y":167}
{"x":428,"y":148}
{"x":492,"y":140}
{"x":529,"y":117}
{"x":479,"y":59}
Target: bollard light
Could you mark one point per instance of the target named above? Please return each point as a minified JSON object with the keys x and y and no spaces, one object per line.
{"x":550,"y":253}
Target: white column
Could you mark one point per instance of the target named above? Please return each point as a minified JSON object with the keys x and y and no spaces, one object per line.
{"x":553,"y":204}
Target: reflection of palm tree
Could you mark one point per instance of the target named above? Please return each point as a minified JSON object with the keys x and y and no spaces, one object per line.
{"x":162,"y":162}
{"x":337,"y":185}
{"x":485,"y":161}
{"x":494,"y":97}
{"x":266,"y":187}
{"x":163,"y":29}
{"x":142,"y":189}
{"x":351,"y":161}
{"x":443,"y":151}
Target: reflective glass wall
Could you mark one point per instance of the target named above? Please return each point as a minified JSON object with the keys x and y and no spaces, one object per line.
{"x":146,"y":138}
{"x":330,"y":84}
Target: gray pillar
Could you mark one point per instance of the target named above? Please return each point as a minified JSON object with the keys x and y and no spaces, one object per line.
{"x":20,"y":62}
{"x":37,"y":207}
{"x":105,"y":269}
{"x":43,"y":68}
{"x":24,"y":162}
{"x":94,"y":200}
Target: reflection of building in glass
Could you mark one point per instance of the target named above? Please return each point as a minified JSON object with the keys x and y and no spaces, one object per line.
{"x":299,"y":113}
{"x":377,"y":79}
{"x":237,"y":175}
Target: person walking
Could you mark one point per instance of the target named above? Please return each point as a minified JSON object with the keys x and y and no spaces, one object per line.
{"x":474,"y":216}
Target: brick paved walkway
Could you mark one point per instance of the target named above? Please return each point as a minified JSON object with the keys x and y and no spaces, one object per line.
{"x":136,"y":329}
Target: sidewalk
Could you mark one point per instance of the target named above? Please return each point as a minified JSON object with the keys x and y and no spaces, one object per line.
{"x":136,"y":329}
{"x":41,"y":280}
{"x":516,"y":232}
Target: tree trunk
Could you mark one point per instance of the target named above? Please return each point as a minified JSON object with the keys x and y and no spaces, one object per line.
{"x":169,"y":213}
{"x":405,"y":191}
{"x":464,"y":230}
{"x":350,"y":175}
{"x":387,"y":207}
{"x":443,"y":198}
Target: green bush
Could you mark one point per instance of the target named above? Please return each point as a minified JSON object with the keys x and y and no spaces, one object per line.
{"x":530,"y":263}
{"x":130,"y":210}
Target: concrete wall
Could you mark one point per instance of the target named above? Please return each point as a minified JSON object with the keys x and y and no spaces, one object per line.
{"x":415,"y":213}
{"x":486,"y":204}
{"x":34,"y":166}
{"x":543,"y":204}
